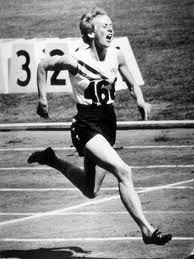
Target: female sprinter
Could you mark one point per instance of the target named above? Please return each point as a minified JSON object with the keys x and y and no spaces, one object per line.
{"x":93,"y":70}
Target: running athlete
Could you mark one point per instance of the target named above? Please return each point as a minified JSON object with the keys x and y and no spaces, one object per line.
{"x":93,"y":73}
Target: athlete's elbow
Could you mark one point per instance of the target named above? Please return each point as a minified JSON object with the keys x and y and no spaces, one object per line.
{"x":41,"y":67}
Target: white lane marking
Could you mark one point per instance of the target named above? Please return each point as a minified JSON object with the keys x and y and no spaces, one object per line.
{"x":85,"y":239}
{"x":192,"y":252}
{"x":133,"y":167}
{"x":76,"y":190}
{"x":34,"y":149}
{"x":159,"y":146}
{"x":25,"y":168}
{"x":117,"y":147}
{"x":97,"y":213}
{"x":163,"y":166}
{"x":85,"y":204}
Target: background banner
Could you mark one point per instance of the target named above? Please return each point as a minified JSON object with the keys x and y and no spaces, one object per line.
{"x":19,"y":59}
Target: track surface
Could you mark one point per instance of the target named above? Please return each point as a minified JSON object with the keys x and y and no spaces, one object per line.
{"x":42,"y":215}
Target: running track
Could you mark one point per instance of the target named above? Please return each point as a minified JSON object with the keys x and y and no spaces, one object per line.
{"x":42,"y":215}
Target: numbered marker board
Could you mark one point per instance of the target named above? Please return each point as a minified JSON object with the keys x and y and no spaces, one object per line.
{"x":58,"y":81}
{"x":18,"y":69}
{"x":3,"y":71}
{"x":23,"y":68}
{"x":5,"y":55}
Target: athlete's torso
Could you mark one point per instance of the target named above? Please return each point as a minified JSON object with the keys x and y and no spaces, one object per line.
{"x":95,"y":80}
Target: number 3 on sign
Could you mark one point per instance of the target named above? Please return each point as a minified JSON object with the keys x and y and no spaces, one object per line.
{"x":23,"y":68}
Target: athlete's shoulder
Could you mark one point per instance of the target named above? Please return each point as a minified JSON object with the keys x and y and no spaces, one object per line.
{"x":120,"y":55}
{"x":117,"y":50}
{"x":81,"y":51}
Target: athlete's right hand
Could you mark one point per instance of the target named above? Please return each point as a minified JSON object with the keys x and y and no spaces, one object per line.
{"x":42,"y":110}
{"x":144,"y":110}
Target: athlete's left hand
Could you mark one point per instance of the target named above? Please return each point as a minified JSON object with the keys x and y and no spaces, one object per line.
{"x":144,"y":110}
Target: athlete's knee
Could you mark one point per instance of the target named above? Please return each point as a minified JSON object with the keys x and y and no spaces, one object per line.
{"x":123,"y":172}
{"x":91,"y":194}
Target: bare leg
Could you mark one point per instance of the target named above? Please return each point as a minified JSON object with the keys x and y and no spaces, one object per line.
{"x":94,"y":176}
{"x":100,"y":151}
{"x":87,"y":180}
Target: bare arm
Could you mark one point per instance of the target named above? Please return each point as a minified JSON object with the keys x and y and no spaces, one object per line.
{"x":65,"y":62}
{"x":134,"y":88}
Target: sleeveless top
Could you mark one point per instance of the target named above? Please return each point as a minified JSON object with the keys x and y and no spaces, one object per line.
{"x":95,"y":80}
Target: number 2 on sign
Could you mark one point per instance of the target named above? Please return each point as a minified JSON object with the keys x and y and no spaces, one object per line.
{"x":54,"y":78}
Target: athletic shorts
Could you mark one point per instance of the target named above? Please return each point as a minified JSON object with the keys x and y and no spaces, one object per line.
{"x":90,"y":121}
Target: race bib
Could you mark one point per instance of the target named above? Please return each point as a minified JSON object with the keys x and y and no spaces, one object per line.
{"x":101,"y":92}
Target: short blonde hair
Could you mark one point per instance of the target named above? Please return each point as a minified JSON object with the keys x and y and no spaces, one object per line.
{"x":86,"y":25}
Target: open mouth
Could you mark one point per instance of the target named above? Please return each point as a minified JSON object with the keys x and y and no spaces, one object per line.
{"x":109,"y":37}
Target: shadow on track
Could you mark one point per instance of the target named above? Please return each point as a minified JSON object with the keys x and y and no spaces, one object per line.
{"x":44,"y":253}
{"x":48,"y":253}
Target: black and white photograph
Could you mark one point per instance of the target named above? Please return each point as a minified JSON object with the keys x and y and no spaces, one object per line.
{"x":96,"y":129}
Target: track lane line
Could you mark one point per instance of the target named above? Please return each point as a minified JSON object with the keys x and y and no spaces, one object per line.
{"x":85,"y":239}
{"x":85,"y":204}
{"x":133,"y":167}
{"x":77,"y":190}
{"x":116,"y":147}
{"x":96,"y":213}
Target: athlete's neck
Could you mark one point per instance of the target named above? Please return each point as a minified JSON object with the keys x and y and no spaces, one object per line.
{"x":99,"y":51}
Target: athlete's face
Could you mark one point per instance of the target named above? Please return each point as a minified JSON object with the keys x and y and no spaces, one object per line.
{"x":103,"y":31}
